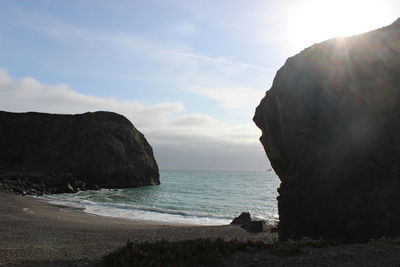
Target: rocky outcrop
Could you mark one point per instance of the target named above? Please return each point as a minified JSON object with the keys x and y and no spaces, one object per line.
{"x":331,"y":129}
{"x":52,"y":153}
{"x":244,"y":217}
{"x":253,"y":227}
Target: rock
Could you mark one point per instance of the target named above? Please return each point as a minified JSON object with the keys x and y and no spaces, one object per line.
{"x":255,"y":227}
{"x":331,"y":131}
{"x":244,"y":217}
{"x":90,"y":150}
{"x":70,"y":189}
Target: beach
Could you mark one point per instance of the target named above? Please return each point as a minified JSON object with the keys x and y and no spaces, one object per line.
{"x":34,"y":232}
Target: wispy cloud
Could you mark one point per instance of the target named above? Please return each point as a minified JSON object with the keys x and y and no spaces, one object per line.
{"x":231,"y":97}
{"x":133,"y":41}
{"x":216,"y":60}
{"x":184,"y":28}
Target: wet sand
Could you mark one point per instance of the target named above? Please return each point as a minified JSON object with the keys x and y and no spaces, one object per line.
{"x":34,"y":232}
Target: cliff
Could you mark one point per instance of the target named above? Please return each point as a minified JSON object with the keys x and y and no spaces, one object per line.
{"x":62,"y":153}
{"x":330,"y":125}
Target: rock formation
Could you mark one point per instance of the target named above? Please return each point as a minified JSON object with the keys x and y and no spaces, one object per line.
{"x":331,"y":129}
{"x":63,"y":153}
{"x":244,"y":217}
{"x":255,"y":227}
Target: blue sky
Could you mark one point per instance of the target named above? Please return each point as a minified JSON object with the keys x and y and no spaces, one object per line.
{"x":188,"y":74}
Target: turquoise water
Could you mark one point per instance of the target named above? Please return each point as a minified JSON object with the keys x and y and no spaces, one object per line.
{"x":186,"y":196}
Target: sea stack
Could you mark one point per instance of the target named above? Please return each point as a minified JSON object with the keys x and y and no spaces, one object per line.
{"x":331,"y":130}
{"x":63,"y":153}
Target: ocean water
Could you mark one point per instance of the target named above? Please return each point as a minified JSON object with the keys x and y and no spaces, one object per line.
{"x":203,"y":197}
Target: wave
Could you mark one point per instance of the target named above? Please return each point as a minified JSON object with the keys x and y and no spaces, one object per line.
{"x":189,"y":197}
{"x":127,"y":211}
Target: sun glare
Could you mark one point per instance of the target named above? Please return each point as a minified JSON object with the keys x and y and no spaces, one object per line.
{"x":314,"y":21}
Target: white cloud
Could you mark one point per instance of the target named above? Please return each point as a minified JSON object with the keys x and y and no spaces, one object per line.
{"x":195,"y":119}
{"x":28,"y":94}
{"x":231,"y":97}
{"x":167,"y":126}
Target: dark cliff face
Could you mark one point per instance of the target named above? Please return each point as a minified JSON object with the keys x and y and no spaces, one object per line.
{"x":100,"y":148}
{"x":331,"y":129}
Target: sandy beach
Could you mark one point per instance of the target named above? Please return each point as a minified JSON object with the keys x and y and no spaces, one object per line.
{"x":34,"y":232}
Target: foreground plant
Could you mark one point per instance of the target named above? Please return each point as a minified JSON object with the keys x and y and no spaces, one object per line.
{"x":183,"y":253}
{"x":203,"y":252}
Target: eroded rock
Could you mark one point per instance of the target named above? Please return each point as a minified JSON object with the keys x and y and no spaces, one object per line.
{"x":331,"y":130}
{"x":255,"y":227}
{"x":244,"y":217}
{"x":53,"y":153}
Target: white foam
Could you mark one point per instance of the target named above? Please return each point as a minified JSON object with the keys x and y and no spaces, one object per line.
{"x":153,"y":216}
{"x":129,"y":212}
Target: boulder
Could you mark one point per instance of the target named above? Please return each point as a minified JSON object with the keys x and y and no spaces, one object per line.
{"x":244,"y":217}
{"x":330,"y":128}
{"x":255,"y":227}
{"x":66,"y":153}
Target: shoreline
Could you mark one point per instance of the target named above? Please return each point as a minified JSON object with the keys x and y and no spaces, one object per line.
{"x":81,"y":210}
{"x":132,"y":213}
{"x":37,"y":232}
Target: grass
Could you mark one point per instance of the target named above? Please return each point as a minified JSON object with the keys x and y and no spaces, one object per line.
{"x":199,"y":252}
{"x":183,"y":253}
{"x":293,"y":248}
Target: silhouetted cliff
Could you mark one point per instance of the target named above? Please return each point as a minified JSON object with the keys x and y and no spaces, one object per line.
{"x":331,"y":129}
{"x":61,"y":153}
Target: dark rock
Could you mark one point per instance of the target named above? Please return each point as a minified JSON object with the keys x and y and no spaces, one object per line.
{"x":70,"y":188}
{"x":52,"y":153}
{"x":331,"y":129}
{"x":244,"y":217}
{"x":255,"y":227}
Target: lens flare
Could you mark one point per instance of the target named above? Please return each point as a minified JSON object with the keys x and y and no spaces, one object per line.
{"x":314,"y":21}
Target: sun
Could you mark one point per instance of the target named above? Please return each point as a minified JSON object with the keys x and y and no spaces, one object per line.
{"x":312,"y":21}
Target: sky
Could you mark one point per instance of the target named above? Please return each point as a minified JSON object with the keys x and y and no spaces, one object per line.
{"x":188,"y":74}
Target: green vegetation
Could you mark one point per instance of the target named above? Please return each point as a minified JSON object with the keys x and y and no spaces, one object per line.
{"x":293,"y":248}
{"x":203,"y":252}
{"x":182,"y":253}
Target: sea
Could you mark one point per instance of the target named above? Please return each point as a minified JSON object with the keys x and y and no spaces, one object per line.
{"x":198,"y":197}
